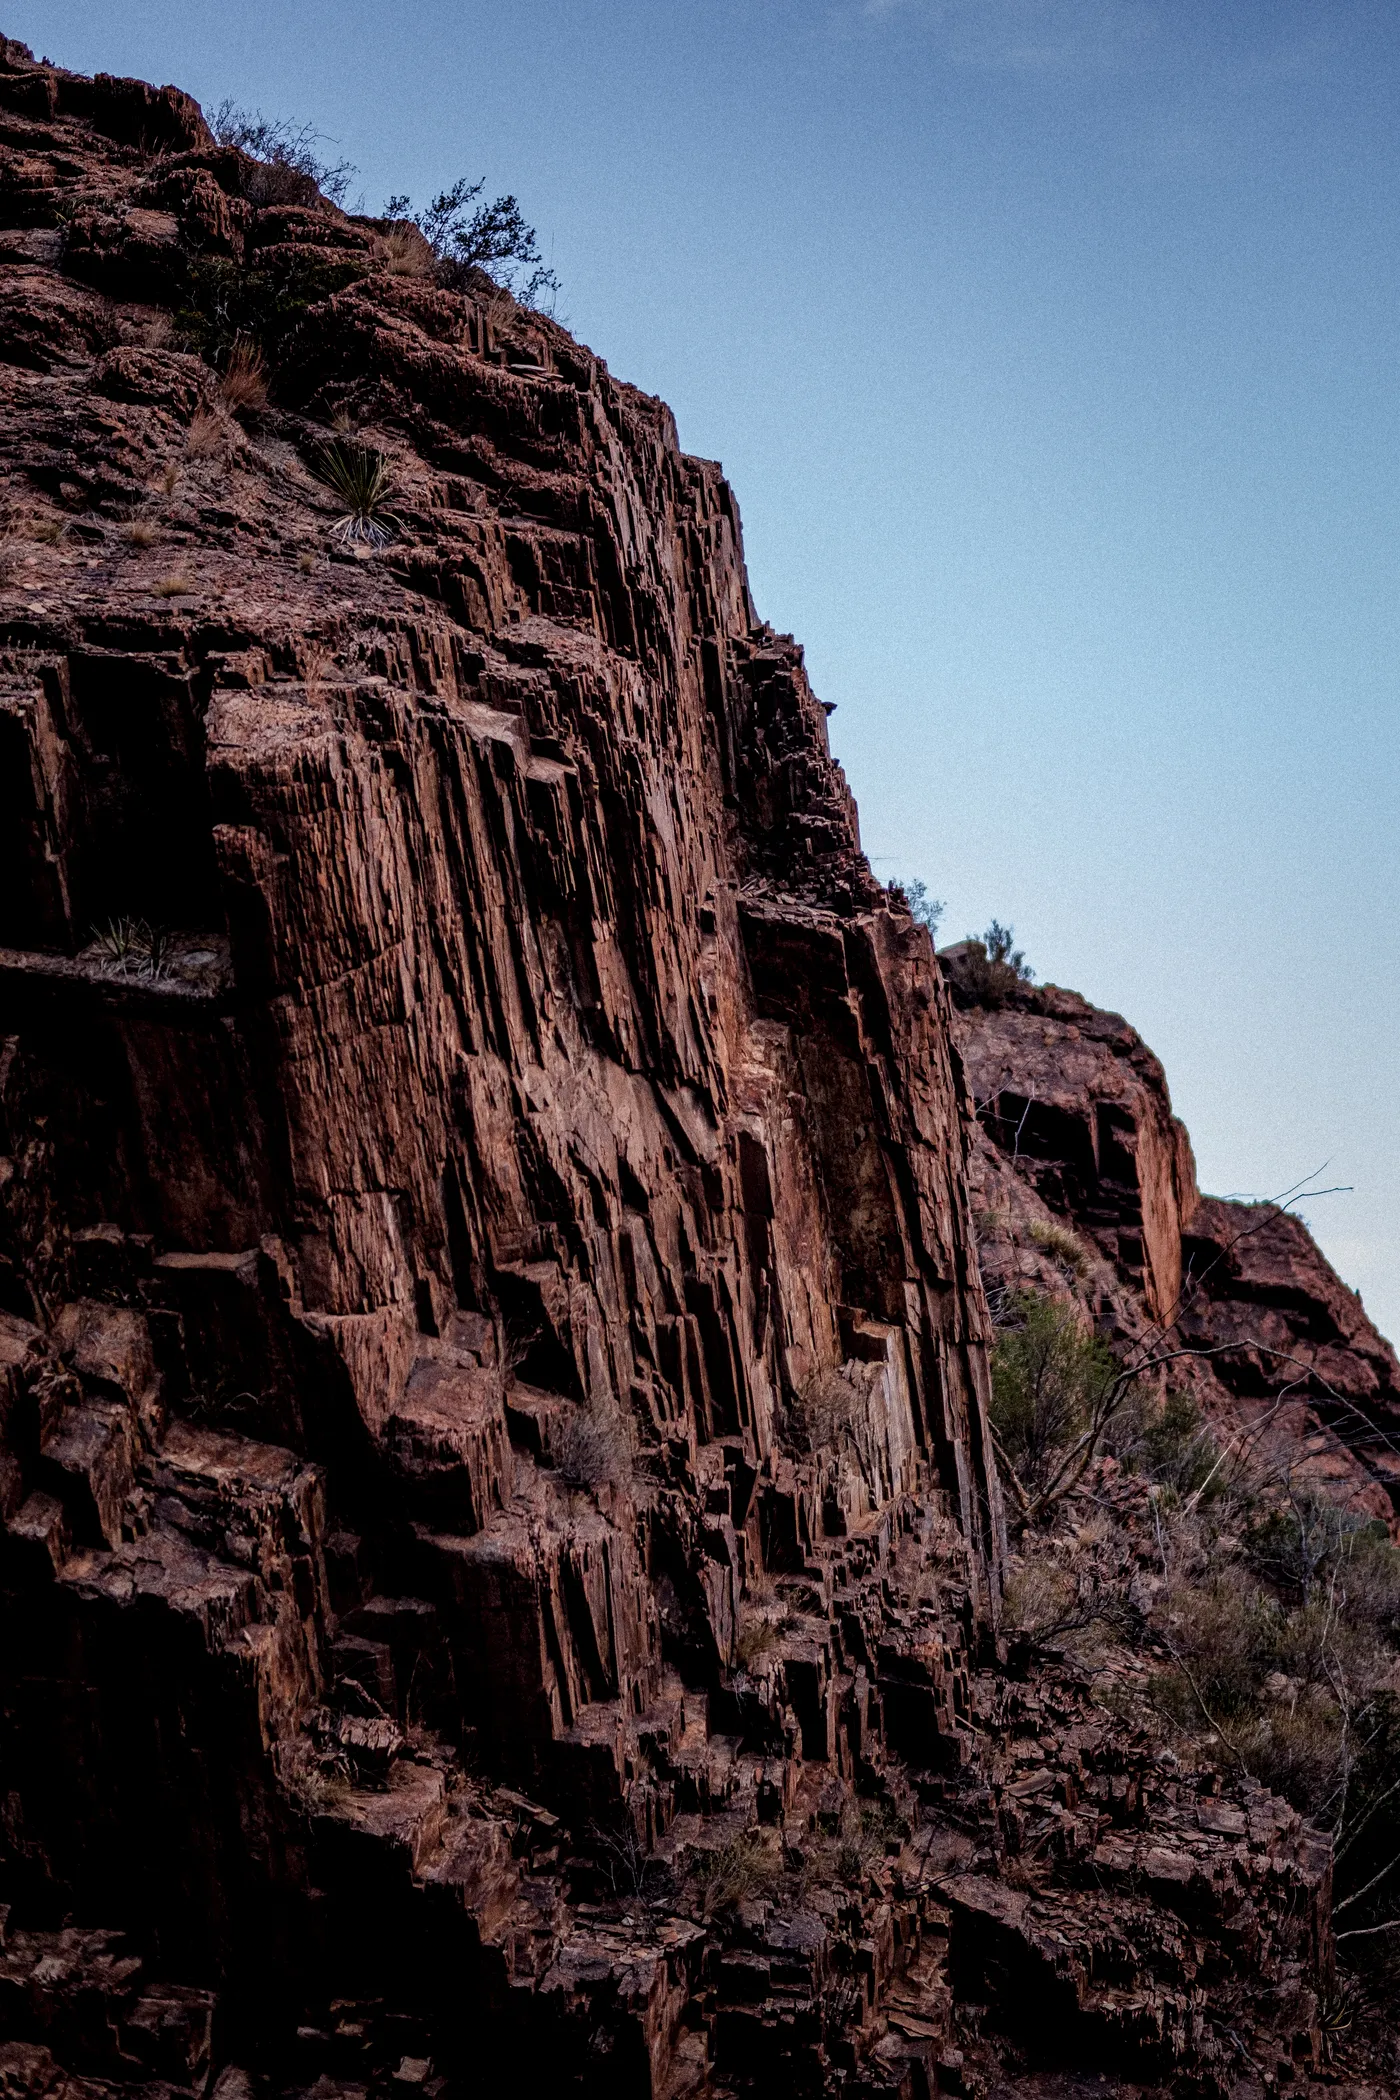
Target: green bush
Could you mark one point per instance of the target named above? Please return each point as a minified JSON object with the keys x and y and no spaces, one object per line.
{"x":1051,"y":1378}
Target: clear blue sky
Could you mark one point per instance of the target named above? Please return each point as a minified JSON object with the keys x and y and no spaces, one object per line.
{"x":1051,"y":348}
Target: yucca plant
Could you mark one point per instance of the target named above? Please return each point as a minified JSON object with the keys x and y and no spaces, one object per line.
{"x":364,"y":482}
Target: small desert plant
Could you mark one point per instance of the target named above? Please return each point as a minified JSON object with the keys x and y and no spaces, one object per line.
{"x":48,"y":531}
{"x":290,"y":170}
{"x":591,"y":1448}
{"x":306,"y":561}
{"x":135,"y":948}
{"x":362,"y":480}
{"x":986,"y":971}
{"x":914,"y":897}
{"x":1062,"y":1246}
{"x":176,"y":585}
{"x":244,"y":381}
{"x":141,"y":532}
{"x":170,"y":479}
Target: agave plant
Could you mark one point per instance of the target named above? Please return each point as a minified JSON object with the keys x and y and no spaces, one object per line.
{"x":364,"y":482}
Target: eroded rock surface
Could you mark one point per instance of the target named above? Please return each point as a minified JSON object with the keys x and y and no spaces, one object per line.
{"x":500,"y":1549}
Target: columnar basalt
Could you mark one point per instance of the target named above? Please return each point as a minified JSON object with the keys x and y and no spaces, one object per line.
{"x":501,"y":1548}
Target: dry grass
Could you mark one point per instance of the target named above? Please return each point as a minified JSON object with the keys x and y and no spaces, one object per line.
{"x":306,"y":562}
{"x":208,"y":433}
{"x":142,"y":533}
{"x":170,"y":479}
{"x":404,"y":252}
{"x":1062,"y":1246}
{"x":177,"y":585}
{"x":746,"y":1867}
{"x":243,"y":387}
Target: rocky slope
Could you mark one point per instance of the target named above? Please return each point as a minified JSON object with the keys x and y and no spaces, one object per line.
{"x":501,"y":1558}
{"x":1075,"y":1124}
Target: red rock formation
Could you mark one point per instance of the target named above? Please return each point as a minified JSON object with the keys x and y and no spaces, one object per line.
{"x":493,"y":1355}
{"x":1076,"y":1123}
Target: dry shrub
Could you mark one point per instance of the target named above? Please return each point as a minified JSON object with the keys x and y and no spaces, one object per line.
{"x":208,"y":433}
{"x":170,"y":479}
{"x":177,"y":585}
{"x":1062,"y":1246}
{"x":591,"y":1448}
{"x":141,"y":532}
{"x":404,"y":251}
{"x":243,"y":386}
{"x":306,"y":561}
{"x":831,"y":1405}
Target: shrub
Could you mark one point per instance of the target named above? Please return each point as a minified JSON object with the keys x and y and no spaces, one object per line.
{"x":289,"y":170}
{"x":986,"y":971}
{"x":923,"y":909}
{"x":362,"y":480}
{"x":590,"y":1449}
{"x":142,"y":533}
{"x":1051,"y":1381}
{"x":465,"y":235}
{"x":178,"y":585}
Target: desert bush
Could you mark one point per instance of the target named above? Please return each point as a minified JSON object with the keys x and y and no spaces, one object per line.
{"x":986,"y":970}
{"x":1052,"y":1381}
{"x":133,"y":947}
{"x":915,"y":898}
{"x":177,"y":585}
{"x":289,"y":170}
{"x":1169,"y":1442}
{"x":264,"y":302}
{"x":757,"y":1638}
{"x":142,"y":532}
{"x":591,"y":1448}
{"x":466,"y":235}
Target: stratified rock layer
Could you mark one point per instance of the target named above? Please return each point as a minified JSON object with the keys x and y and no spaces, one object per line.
{"x":500,"y":1552}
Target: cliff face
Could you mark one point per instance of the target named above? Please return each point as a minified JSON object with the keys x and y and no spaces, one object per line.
{"x":500,"y":1559}
{"x":469,"y":1113}
{"x":1075,"y":1123}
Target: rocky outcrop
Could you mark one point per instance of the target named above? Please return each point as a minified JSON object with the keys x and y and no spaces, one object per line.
{"x":1075,"y":1124}
{"x":501,"y":1556}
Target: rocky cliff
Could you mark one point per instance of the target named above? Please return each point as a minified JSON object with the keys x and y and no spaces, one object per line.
{"x":501,"y":1559}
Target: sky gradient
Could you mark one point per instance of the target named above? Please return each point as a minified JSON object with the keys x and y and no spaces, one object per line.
{"x":1050,"y":346}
